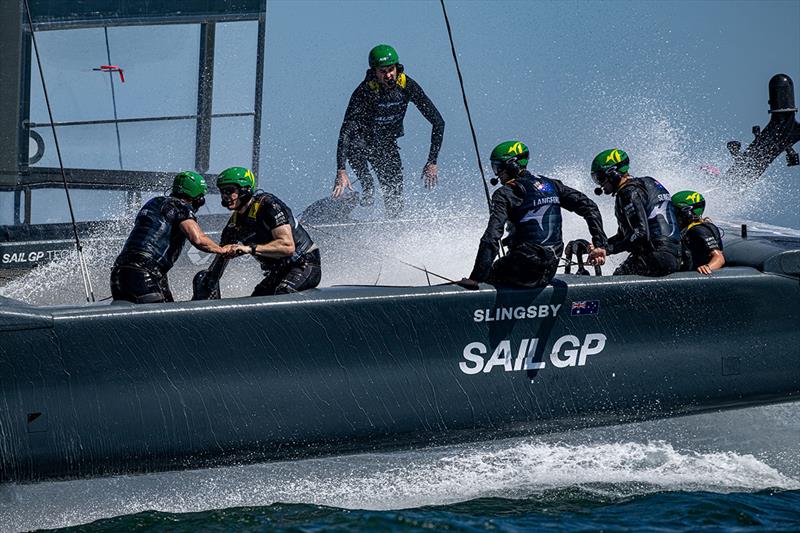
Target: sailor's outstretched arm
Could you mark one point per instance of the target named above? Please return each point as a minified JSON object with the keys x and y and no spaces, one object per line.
{"x":199,"y":239}
{"x":580,"y":204}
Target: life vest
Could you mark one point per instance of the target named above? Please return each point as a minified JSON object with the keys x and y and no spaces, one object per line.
{"x":387,"y":108}
{"x":538,"y":219}
{"x":688,"y":261}
{"x":247,"y":229}
{"x":662,"y":221}
{"x":156,"y":234}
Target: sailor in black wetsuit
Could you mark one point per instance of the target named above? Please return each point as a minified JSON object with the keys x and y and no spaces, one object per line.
{"x":372,"y":124}
{"x":263,"y":226}
{"x":648,"y":228}
{"x":159,"y":233}
{"x":702,"y":242}
{"x":531,"y":205}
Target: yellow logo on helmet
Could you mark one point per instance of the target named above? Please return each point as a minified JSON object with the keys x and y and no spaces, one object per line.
{"x":694,"y":197}
{"x":614,"y":157}
{"x":249,"y":175}
{"x":516,"y":148}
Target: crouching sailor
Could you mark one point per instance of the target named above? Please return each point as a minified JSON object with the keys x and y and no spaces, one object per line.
{"x":702,"y":242}
{"x":648,"y":228}
{"x":531,"y":205}
{"x":263,"y":226}
{"x":159,"y":233}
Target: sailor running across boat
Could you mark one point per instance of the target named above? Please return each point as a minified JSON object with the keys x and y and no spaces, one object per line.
{"x":372,"y":124}
{"x":263,"y":226}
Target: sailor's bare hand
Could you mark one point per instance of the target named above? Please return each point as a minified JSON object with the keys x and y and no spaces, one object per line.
{"x":467,"y":283}
{"x":229,"y":250}
{"x":430,"y":174}
{"x":342,"y":182}
{"x":597,"y":256}
{"x":704,"y":269}
{"x":237,"y":249}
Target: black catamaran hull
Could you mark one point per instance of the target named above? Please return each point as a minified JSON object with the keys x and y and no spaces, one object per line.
{"x":97,"y":390}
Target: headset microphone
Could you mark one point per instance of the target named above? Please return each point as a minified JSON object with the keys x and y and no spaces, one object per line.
{"x":598,"y":191}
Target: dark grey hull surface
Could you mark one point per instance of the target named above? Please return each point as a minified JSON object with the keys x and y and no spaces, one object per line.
{"x":98,"y":390}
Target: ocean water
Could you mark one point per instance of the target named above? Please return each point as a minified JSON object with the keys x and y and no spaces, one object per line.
{"x":718,"y":472}
{"x":579,"y":509}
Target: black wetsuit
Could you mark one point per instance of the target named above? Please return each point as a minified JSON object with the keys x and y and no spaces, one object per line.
{"x":372,"y":124}
{"x":297,"y":273}
{"x":140,"y":271}
{"x":648,"y":229}
{"x":532,"y":207}
{"x":699,"y":240}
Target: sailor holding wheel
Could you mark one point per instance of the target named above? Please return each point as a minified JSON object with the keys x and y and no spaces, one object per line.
{"x":263,"y":226}
{"x":531,"y":205}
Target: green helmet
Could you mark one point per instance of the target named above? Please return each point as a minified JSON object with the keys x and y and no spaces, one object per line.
{"x":189,"y":184}
{"x":240,"y":176}
{"x":383,"y":55}
{"x":610,"y":163}
{"x":507,"y":153}
{"x":689,"y":203}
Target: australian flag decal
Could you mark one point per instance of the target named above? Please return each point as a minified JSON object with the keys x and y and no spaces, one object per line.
{"x":586,"y":307}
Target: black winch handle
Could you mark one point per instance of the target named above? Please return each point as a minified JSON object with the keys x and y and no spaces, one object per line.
{"x":579,"y":248}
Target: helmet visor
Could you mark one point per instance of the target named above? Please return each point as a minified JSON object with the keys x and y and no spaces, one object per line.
{"x":599,"y":177}
{"x":497,"y":167}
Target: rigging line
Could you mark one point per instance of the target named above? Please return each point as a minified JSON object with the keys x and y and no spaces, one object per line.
{"x":381,"y":254}
{"x":469,"y":115}
{"x":87,"y":282}
{"x":466,"y":105}
{"x":113,"y":98}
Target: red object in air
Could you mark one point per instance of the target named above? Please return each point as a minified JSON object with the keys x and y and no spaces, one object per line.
{"x":111,"y":68}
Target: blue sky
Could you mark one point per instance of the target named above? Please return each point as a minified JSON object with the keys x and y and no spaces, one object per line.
{"x":671,"y":82}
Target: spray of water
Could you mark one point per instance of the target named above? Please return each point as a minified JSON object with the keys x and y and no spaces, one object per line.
{"x":514,"y":469}
{"x":442,"y":229}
